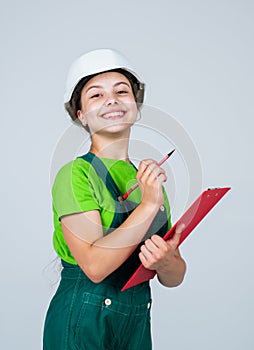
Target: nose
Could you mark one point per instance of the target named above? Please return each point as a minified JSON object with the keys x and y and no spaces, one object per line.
{"x":111,"y":99}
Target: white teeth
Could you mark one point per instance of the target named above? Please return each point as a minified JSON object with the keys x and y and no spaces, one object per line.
{"x":113,"y":114}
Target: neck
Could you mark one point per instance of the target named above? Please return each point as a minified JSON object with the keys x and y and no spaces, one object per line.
{"x":113,"y":146}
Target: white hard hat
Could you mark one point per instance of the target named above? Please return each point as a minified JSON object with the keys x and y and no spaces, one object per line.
{"x":98,"y":61}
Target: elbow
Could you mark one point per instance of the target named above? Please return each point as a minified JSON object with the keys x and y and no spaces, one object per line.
{"x":174,"y":279}
{"x":95,"y":275}
{"x":172,"y":283}
{"x":177,"y":282}
{"x":180,"y":278}
{"x":96,"y":278}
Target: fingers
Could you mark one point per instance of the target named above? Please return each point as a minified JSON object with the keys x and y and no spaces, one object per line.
{"x":150,"y":177}
{"x":156,"y":253}
{"x":150,"y":170}
{"x":157,"y":247}
{"x":153,"y":250}
{"x":143,"y":164}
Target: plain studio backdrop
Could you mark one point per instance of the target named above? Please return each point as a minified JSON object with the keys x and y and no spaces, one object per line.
{"x":196,"y":58}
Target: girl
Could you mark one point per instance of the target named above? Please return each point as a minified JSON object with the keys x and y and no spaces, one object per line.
{"x":100,"y":238}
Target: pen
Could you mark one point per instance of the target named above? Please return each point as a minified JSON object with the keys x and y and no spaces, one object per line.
{"x":126,"y":195}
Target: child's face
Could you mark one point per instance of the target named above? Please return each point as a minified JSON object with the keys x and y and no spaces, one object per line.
{"x":108,"y":103}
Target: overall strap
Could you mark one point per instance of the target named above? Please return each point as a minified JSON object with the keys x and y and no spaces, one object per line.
{"x":103,"y":173}
{"x":122,"y":208}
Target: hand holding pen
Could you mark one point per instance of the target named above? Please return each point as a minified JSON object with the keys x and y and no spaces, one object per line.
{"x":126,"y":195}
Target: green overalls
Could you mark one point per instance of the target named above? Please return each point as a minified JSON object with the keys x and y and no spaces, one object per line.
{"x":87,"y":316}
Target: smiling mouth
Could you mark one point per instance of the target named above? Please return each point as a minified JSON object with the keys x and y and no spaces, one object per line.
{"x":113,"y":115}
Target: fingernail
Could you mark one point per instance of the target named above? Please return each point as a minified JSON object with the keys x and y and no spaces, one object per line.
{"x":180,"y":228}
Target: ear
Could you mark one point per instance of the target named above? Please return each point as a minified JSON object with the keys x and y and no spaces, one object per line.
{"x":82,"y":118}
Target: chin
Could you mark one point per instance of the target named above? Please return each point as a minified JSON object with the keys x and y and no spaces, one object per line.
{"x":115,"y":128}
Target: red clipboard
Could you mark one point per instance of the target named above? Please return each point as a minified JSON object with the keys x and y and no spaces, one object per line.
{"x":191,"y":218}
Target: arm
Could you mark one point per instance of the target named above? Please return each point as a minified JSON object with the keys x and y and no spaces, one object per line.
{"x":99,"y":255}
{"x":164,"y":257}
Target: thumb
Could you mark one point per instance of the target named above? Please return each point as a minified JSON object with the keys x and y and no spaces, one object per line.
{"x":179,"y":228}
{"x":174,"y":241}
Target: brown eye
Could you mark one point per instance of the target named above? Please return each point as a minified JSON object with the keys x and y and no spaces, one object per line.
{"x":122,"y":92}
{"x":95,"y":96}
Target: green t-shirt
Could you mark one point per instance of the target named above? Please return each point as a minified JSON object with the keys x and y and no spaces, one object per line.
{"x":77,"y":188}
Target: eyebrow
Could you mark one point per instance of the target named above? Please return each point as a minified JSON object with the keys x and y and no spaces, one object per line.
{"x":99,"y":86}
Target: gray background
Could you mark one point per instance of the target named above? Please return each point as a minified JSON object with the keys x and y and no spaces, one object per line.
{"x":197,"y":60}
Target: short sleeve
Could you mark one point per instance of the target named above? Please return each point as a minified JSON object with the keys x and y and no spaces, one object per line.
{"x":167,"y":206}
{"x":73,"y":191}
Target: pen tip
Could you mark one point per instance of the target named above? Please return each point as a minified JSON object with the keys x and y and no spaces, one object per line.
{"x":169,"y":154}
